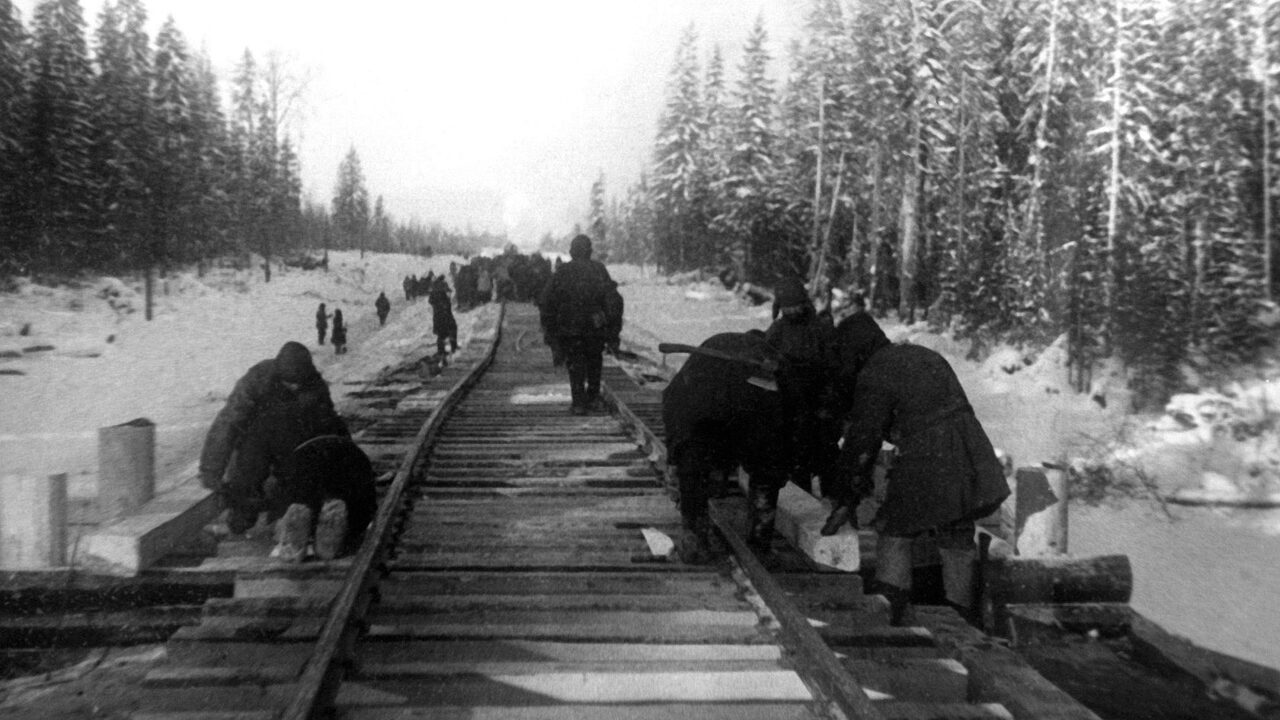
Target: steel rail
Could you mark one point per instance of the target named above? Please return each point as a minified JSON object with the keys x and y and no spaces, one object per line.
{"x":320,"y":677}
{"x":833,"y":682}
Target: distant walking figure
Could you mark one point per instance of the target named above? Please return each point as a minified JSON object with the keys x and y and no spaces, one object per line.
{"x":383,"y":306}
{"x":339,"y":338}
{"x":322,"y":323}
{"x":576,"y":309}
{"x":442,"y":320}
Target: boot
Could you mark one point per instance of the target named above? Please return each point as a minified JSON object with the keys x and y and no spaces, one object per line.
{"x":762,"y":513}
{"x":292,"y":532}
{"x":696,"y":545}
{"x":899,"y":604}
{"x":331,"y":530}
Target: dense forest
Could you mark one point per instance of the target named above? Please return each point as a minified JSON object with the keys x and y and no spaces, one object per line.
{"x":124,"y":158}
{"x":1012,"y":169}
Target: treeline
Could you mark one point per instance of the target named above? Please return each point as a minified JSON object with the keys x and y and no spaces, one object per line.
{"x":124,"y":158}
{"x":1013,"y":169}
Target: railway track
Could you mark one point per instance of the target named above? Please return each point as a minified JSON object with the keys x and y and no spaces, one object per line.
{"x":508,"y":575}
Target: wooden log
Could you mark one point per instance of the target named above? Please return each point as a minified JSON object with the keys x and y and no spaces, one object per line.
{"x":1040,"y":511}
{"x":126,"y":467}
{"x":1101,"y":578}
{"x":33,"y":521}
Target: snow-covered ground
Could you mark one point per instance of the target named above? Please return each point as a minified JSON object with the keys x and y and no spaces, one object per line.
{"x":1210,"y":575}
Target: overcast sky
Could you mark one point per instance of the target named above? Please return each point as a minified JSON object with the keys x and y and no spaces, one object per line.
{"x":494,"y":114}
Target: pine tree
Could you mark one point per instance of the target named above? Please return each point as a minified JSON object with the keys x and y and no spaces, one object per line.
{"x":679,"y":184}
{"x":748,"y":203}
{"x":122,"y":143}
{"x":58,"y":137}
{"x":597,"y":222}
{"x":13,"y":120}
{"x":351,"y":202}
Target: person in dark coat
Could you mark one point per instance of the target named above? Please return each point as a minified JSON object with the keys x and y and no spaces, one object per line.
{"x":322,"y":323}
{"x":945,"y":476}
{"x":807,"y":346}
{"x":716,"y":419}
{"x":442,"y":320}
{"x":383,"y":306}
{"x":336,"y":483}
{"x":575,"y":310}
{"x":615,"y":306}
{"x":276,"y":406}
{"x":339,"y":338}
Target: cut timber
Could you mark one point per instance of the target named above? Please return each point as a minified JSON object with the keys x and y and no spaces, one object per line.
{"x":942,"y":711}
{"x":1101,"y":578}
{"x":1040,"y":511}
{"x":938,"y":680}
{"x":800,"y":520}
{"x":156,"y":529}
{"x":654,"y":711}
{"x":33,"y":521}
{"x":998,"y":674}
{"x":1152,"y":642}
{"x":1239,"y":498}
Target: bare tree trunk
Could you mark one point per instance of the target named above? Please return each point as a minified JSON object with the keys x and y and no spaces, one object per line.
{"x":1113,"y":186}
{"x":815,"y":250}
{"x":908,"y":214}
{"x":1266,"y":149}
{"x":877,"y":220}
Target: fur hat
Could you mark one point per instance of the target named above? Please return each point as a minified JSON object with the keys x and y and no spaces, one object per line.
{"x":293,"y":363}
{"x":580,"y":248}
{"x":858,"y":337}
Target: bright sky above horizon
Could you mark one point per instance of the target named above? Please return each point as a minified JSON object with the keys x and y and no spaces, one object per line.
{"x":491,"y":115}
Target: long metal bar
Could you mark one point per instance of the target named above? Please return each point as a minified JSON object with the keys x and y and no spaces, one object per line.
{"x":319,"y":679}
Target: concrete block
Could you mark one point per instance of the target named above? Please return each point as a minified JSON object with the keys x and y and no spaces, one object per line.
{"x":126,"y":467}
{"x":169,"y":521}
{"x":800,"y":520}
{"x":1040,"y":515}
{"x":33,"y":521}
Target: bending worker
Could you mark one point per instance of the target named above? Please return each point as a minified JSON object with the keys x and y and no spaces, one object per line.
{"x":945,"y":476}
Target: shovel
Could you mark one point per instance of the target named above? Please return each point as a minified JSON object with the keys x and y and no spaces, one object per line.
{"x":763,"y":377}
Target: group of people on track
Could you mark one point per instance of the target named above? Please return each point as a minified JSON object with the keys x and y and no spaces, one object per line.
{"x":833,"y":394}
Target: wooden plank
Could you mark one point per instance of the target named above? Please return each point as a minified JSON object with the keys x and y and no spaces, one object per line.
{"x":589,"y":687}
{"x":649,"y":632}
{"x":998,"y":675}
{"x":1153,"y":642}
{"x":533,"y":650}
{"x":650,"y":711}
{"x":943,"y":711}
{"x":812,"y":657}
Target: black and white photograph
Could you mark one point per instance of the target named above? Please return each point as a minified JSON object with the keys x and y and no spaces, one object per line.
{"x":640,"y":359}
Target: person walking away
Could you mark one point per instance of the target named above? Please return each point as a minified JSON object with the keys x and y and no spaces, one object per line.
{"x":807,"y":346}
{"x":442,"y":320}
{"x":614,"y":307}
{"x":248,"y":453}
{"x":575,"y":310}
{"x":945,"y":476}
{"x":339,"y":337}
{"x":383,"y":306}
{"x":322,"y":323}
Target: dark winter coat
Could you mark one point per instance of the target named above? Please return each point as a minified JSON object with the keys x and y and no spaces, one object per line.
{"x":287,"y":417}
{"x":332,"y":467}
{"x":339,"y":336}
{"x":382,"y":305}
{"x":322,"y":318}
{"x":946,"y":469}
{"x":442,"y":320}
{"x":711,"y":409}
{"x":576,"y":302}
